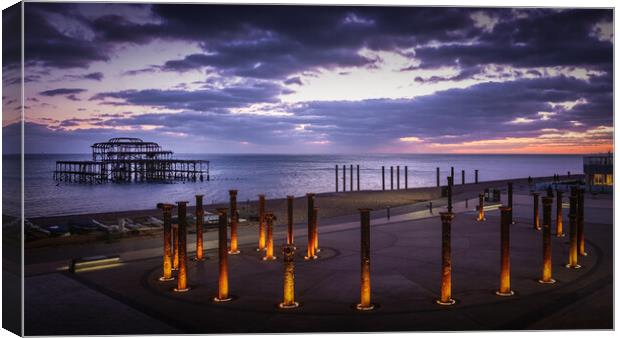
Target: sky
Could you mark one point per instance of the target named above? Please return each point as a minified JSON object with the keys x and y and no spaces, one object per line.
{"x":313,"y":79}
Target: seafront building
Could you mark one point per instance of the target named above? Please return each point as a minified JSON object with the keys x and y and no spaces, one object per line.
{"x":599,"y":172}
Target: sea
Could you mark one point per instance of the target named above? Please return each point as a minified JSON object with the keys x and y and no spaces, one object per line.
{"x":251,"y":174}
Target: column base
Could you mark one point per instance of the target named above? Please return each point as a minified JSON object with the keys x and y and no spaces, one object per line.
{"x":269,"y":258}
{"x":368,"y":307}
{"x":505,"y":294}
{"x":234,"y":252}
{"x":181,"y":290}
{"x":481,"y":220}
{"x":550,"y":281}
{"x":175,"y":269}
{"x":576,"y":266}
{"x":449,"y":302}
{"x":260,"y":249}
{"x":288,"y":306}
{"x":165,"y":279}
{"x":309,"y":258}
{"x":560,"y":235}
{"x":196,"y":259}
{"x":583,"y":254}
{"x":221,"y":300}
{"x":317,"y":250}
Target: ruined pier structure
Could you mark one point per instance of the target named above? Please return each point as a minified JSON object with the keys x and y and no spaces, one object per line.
{"x":130,"y":160}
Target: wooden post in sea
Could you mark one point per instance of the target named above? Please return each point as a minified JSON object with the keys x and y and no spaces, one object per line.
{"x":358,"y":177}
{"x":476,"y":176}
{"x":462,"y":177}
{"x":336,"y":178}
{"x":397,"y":177}
{"x":383,"y":178}
{"x":437,"y":170}
{"x":452,"y":174}
{"x":391,"y":178}
{"x":351,"y":179}
{"x":344,"y":177}
{"x":406,"y":178}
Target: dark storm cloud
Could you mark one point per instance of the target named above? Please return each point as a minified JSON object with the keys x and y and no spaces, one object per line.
{"x":62,"y":91}
{"x":464,"y":114}
{"x":200,"y":100}
{"x":96,"y":76}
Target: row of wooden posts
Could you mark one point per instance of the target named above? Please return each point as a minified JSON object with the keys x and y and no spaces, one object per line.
{"x":406,"y":174}
{"x":175,"y":244}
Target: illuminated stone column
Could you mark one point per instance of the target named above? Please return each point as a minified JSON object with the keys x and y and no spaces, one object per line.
{"x":437,"y":175}
{"x":200,"y":213}
{"x":536,"y":213}
{"x":261,"y":223}
{"x":315,"y":230}
{"x":383,"y":178}
{"x":546,"y":267}
{"x":310,"y":252}
{"x":391,"y":178}
{"x":336,"y":178}
{"x":222,"y":292}
{"x":234,"y":221}
{"x":167,"y":264}
{"x":559,"y":224}
{"x":580,"y":233}
{"x":397,"y":177}
{"x":573,"y":256}
{"x":481,"y":208}
{"x":450,"y":193}
{"x":504,"y":276}
{"x":290,"y":238}
{"x":510,"y":201}
{"x":365,"y":304}
{"x":175,"y":246}
{"x":446,"y":260}
{"x":269,"y":252}
{"x":182,"y":276}
{"x":476,"y":176}
{"x":288,"y":301}
{"x":358,"y":177}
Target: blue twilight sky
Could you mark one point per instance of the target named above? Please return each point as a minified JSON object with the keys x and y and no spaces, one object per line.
{"x":313,"y":79}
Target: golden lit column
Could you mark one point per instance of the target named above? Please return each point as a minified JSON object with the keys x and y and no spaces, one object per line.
{"x":546,"y":236}
{"x":573,"y":261}
{"x":200,"y":213}
{"x":290,"y":237}
{"x":310,"y":252}
{"x":504,"y":276}
{"x":580,"y":233}
{"x":559,"y":222}
{"x":222,"y":293}
{"x":364,"y":304}
{"x":315,"y":229}
{"x":510,"y":201}
{"x":175,"y":246}
{"x":234,"y":221}
{"x":182,"y":239}
{"x":261,"y":222}
{"x":167,"y":265}
{"x":446,"y":260}
{"x":288,"y":301}
{"x":269,"y":252}
{"x":536,"y":213}
{"x":481,"y":208}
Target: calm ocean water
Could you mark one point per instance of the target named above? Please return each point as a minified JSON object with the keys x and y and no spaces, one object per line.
{"x":274,"y":175}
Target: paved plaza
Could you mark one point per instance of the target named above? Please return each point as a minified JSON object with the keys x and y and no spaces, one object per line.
{"x":405,"y":280}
